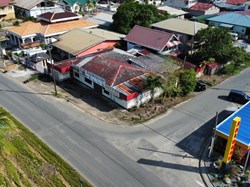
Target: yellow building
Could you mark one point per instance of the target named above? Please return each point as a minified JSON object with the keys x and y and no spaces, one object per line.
{"x":7,"y":10}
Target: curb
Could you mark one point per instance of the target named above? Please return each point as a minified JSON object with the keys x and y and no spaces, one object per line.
{"x":203,"y":166}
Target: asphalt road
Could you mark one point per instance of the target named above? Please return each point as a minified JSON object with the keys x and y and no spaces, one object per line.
{"x":63,"y":128}
{"x":162,"y":152}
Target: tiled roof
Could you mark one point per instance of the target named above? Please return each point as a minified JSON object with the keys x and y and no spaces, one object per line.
{"x":114,"y":72}
{"x":149,"y":38}
{"x":32,"y":28}
{"x":201,"y":7}
{"x":53,"y":16}
{"x":4,"y":3}
{"x":236,"y":2}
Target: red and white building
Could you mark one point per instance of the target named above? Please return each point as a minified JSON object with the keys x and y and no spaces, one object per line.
{"x":199,"y":9}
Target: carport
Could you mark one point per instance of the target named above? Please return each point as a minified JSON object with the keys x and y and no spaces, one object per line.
{"x":243,"y":138}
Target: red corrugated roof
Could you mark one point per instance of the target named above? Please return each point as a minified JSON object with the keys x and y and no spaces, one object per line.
{"x":201,"y":7}
{"x":4,"y":3}
{"x":149,"y":38}
{"x":243,"y":12}
{"x":236,"y":2}
{"x":58,"y":15}
{"x":114,"y":72}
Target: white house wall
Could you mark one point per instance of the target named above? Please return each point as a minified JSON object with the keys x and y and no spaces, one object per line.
{"x":35,"y":11}
{"x":180,"y":3}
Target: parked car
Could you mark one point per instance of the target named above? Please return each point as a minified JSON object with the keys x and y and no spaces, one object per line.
{"x":200,"y":86}
{"x":238,"y":96}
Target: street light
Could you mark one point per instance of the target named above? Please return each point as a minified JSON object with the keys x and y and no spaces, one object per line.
{"x":49,"y":48}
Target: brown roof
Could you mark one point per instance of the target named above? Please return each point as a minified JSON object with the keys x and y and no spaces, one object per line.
{"x":114,"y":72}
{"x":149,"y":38}
{"x":53,"y":16}
{"x":32,"y":28}
{"x":202,"y":7}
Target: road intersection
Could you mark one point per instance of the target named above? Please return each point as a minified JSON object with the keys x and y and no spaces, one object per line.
{"x":162,"y":152}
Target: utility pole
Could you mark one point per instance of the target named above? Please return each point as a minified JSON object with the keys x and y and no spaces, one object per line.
{"x":213,"y":137}
{"x":49,"y":48}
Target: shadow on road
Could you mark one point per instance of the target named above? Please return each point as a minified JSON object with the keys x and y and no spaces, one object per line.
{"x":168,"y":165}
{"x":216,"y":88}
{"x":223,"y":97}
{"x":194,"y":142}
{"x":163,"y":152}
{"x":80,"y":91}
{"x":16,"y":91}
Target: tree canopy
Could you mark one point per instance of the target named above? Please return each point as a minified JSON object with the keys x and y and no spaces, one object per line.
{"x":213,"y":42}
{"x":132,"y":13}
{"x":187,"y":81}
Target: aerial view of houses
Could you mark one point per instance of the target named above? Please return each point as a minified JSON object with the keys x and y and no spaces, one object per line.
{"x":78,"y":75}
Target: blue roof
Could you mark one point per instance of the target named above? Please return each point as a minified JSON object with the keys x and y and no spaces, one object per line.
{"x":233,"y":18}
{"x":244,"y":129}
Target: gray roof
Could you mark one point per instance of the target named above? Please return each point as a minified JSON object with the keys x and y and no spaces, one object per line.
{"x":108,"y":35}
{"x":154,"y":63}
{"x":180,"y":26}
{"x":39,"y":57}
{"x":27,"y":4}
{"x":102,"y":19}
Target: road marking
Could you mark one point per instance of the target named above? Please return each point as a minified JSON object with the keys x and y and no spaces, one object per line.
{"x":198,"y":182}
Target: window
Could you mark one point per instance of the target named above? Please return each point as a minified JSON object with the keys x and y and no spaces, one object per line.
{"x":76,"y":74}
{"x":88,"y":81}
{"x":105,"y":92}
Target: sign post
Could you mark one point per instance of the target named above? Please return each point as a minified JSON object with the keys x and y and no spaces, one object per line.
{"x":231,"y":143}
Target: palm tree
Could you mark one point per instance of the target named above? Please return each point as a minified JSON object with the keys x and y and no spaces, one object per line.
{"x":152,"y":83}
{"x":89,"y":5}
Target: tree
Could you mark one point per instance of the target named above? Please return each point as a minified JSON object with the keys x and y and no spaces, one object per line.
{"x":170,"y":85}
{"x":213,"y":42}
{"x":187,"y":81}
{"x":152,"y":83}
{"x":132,"y":13}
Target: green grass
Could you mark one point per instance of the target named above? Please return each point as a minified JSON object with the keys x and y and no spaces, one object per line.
{"x":28,"y":161}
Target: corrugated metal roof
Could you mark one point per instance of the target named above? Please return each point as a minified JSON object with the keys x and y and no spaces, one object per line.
{"x":113,"y":71}
{"x":244,"y":129}
{"x":232,"y":18}
{"x":149,"y":38}
{"x":236,"y":2}
{"x":201,"y":7}
{"x":180,"y":26}
{"x":53,"y":16}
{"x":76,"y":41}
{"x":27,"y":4}
{"x":172,"y":11}
{"x":108,"y":35}
{"x":44,"y":28}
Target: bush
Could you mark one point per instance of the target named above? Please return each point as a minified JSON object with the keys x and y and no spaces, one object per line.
{"x":16,"y":23}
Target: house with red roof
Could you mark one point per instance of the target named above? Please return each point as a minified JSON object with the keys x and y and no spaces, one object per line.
{"x":7,"y":10}
{"x":110,"y":75}
{"x":199,"y":9}
{"x":115,"y":79}
{"x":153,"y":40}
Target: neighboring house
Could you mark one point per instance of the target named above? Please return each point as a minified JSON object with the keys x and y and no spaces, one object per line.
{"x":72,"y":5}
{"x":178,"y":13}
{"x":238,"y":22}
{"x":183,"y":29}
{"x":7,"y":10}
{"x":55,"y":17}
{"x":152,"y":62}
{"x":34,"y":8}
{"x":39,"y":62}
{"x":102,"y":19}
{"x":32,"y":34}
{"x":247,"y":6}
{"x":183,"y":4}
{"x":154,"y":40}
{"x":232,"y":2}
{"x":199,"y":9}
{"x":77,"y":43}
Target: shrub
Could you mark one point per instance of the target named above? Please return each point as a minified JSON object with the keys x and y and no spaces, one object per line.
{"x":16,"y":23}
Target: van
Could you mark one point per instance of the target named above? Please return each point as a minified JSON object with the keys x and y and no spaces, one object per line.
{"x":234,"y":36}
{"x":238,"y":96}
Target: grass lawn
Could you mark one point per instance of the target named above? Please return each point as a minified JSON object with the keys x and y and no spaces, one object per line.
{"x":27,"y":161}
